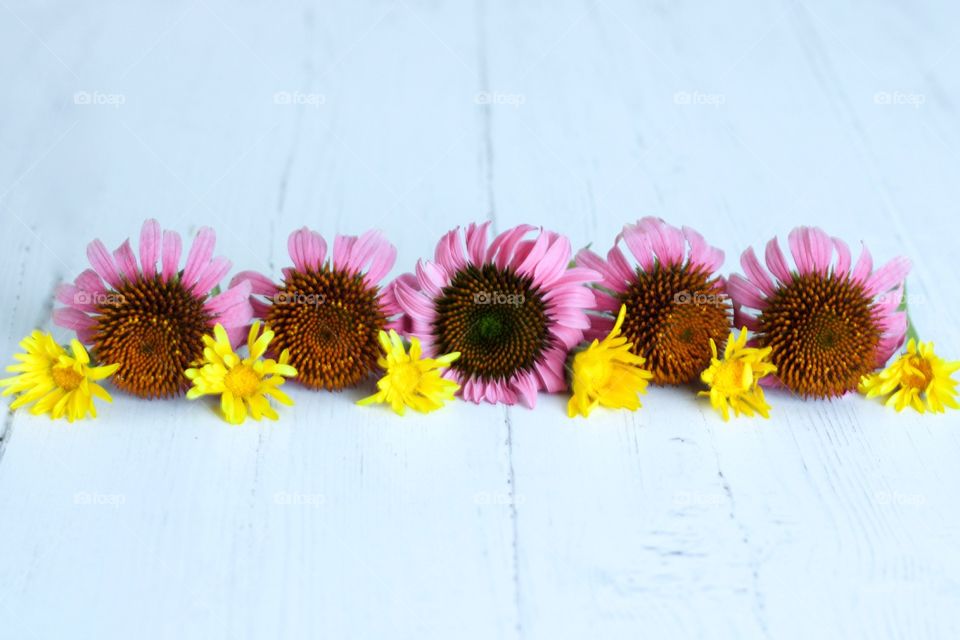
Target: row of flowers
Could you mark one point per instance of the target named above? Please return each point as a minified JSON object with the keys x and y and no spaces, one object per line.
{"x":490,"y":321}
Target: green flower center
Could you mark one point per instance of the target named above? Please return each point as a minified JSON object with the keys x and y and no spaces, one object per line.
{"x":495,"y":318}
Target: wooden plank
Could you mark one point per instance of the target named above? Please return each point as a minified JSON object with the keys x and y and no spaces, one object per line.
{"x":158,"y":520}
{"x":159,"y":517}
{"x":669,"y":520}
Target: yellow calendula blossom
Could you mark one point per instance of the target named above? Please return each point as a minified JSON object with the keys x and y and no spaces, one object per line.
{"x":919,"y":378}
{"x":734,"y":381}
{"x":243,"y":384}
{"x":60,"y":384}
{"x":410,"y":379}
{"x":606,"y":373}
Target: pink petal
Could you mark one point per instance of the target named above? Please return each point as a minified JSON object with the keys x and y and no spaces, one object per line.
{"x":620,"y":268}
{"x":474,"y":390}
{"x":892,"y":322}
{"x":554,"y":262}
{"x":771,"y":382}
{"x":477,"y":242}
{"x":574,"y":318}
{"x":525,"y":384}
{"x":551,"y":373}
{"x":103,"y":263}
{"x":342,"y":246}
{"x":744,"y":293}
{"x":777,"y":262}
{"x":569,"y":337}
{"x":503,"y":246}
{"x":701,"y":253}
{"x":889,"y":345}
{"x":498,"y":392}
{"x":431,"y":277}
{"x":90,"y":282}
{"x":414,"y":304}
{"x":606,"y":302}
{"x":307,"y":249}
{"x":172,"y":247}
{"x":150,"y":238}
{"x":74,"y":319}
{"x":757,"y":274}
{"x":218,"y":268}
{"x":388,"y":305}
{"x":639,"y":245}
{"x":381,"y":264}
{"x":820,"y":248}
{"x":578,"y":297}
{"x":366,"y":247}
{"x":577,"y":275}
{"x":449,"y":252}
{"x":126,"y":261}
{"x":237,"y":334}
{"x":260,"y":309}
{"x":667,"y":241}
{"x":232,"y":307}
{"x":887,"y":276}
{"x":199,"y":257}
{"x":800,"y":250}
{"x":843,"y":257}
{"x":600,"y":326}
{"x":236,"y":320}
{"x":863,"y":267}
{"x":260,"y":284}
{"x":73,"y":296}
{"x":529,"y":258}
{"x":609,"y":276}
{"x":743,"y":319}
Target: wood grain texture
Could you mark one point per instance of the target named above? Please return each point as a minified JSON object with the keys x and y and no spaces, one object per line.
{"x":835,"y":519}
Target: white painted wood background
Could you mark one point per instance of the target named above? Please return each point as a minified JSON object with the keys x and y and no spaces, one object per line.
{"x":834,"y":519}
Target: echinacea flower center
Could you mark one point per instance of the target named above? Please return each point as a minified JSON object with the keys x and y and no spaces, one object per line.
{"x":495,"y":318}
{"x":672,"y":313}
{"x":242,"y":381}
{"x":329,"y":320}
{"x":822,"y":333}
{"x":66,"y":378}
{"x":154,"y":330}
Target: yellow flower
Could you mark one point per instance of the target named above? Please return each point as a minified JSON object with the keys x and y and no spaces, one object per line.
{"x":242,"y":384}
{"x":917,"y":375}
{"x":607,"y":373}
{"x":734,"y":381}
{"x":411,"y":380}
{"x":60,"y":384}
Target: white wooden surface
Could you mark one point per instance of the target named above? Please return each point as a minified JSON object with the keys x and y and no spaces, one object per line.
{"x":835,"y":519}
